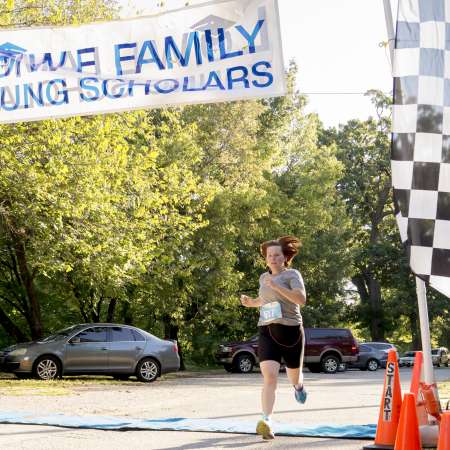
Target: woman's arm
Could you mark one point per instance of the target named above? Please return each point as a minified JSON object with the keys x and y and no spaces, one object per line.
{"x":251,"y":302}
{"x":296,"y":296}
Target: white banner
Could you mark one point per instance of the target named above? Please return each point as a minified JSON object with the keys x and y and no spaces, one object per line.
{"x":218,"y":51}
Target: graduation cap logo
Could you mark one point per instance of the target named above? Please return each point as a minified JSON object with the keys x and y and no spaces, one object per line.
{"x":212,"y":22}
{"x":8,"y":52}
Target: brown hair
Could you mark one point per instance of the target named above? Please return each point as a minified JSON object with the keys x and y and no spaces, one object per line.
{"x":289,"y":246}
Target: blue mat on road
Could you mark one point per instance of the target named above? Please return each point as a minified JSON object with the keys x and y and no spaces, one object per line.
{"x":181,"y":424}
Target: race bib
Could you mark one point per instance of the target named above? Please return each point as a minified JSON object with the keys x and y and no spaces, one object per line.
{"x":270,"y":311}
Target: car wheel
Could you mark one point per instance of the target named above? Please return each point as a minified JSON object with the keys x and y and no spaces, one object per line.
{"x":47,"y":368}
{"x":244,"y":363}
{"x":330,"y":364}
{"x":228,"y":367}
{"x":314,"y":368}
{"x":372,"y":365}
{"x":147,"y":370}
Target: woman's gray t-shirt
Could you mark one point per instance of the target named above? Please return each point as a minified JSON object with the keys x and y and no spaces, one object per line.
{"x":290,"y":312}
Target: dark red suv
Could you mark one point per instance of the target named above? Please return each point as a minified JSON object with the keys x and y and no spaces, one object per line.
{"x":325,"y":350}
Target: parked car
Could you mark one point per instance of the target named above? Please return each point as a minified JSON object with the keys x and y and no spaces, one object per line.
{"x":369,"y":358}
{"x":325,"y":350}
{"x":407,"y":360}
{"x":100,"y":348}
{"x":440,"y":356}
{"x":386,"y":346}
{"x":383,"y":346}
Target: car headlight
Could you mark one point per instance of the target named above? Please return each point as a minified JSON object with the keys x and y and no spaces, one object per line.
{"x":226,"y":349}
{"x":18,"y":352}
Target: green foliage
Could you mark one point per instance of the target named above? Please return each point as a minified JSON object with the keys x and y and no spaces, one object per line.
{"x":154,"y":218}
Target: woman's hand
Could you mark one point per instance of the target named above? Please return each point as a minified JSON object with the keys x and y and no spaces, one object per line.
{"x":268,"y":282}
{"x":246,"y":301}
{"x":251,"y":302}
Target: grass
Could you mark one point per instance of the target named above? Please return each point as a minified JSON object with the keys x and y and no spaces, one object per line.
{"x":444,"y":389}
{"x":11,"y":386}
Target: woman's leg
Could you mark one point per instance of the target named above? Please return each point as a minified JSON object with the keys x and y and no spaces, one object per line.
{"x":269,"y":370}
{"x":294,"y":357}
{"x":295,"y":377}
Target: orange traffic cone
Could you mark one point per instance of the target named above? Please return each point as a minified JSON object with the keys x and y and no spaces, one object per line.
{"x":444,"y":433}
{"x":431,"y":401}
{"x":415,"y":379}
{"x":408,"y":436}
{"x":391,"y":403}
{"x":422,"y":415}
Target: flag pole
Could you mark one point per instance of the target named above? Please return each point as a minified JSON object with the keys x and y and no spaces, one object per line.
{"x":421,"y":291}
{"x":428,"y":373}
{"x":390,"y":29}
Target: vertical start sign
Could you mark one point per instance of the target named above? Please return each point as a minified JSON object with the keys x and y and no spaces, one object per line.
{"x":388,"y":391}
{"x":391,"y":404}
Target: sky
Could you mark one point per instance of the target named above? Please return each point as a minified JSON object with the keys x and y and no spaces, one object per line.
{"x":335,"y":44}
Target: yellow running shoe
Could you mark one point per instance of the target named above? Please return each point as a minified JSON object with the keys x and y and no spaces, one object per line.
{"x":264,"y":429}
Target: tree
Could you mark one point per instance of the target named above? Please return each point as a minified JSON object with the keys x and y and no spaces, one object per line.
{"x":267,"y":178}
{"x":363,"y":148}
{"x":89,"y":203}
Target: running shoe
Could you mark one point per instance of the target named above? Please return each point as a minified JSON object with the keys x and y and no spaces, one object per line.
{"x":264,"y":429}
{"x":300,"y":394}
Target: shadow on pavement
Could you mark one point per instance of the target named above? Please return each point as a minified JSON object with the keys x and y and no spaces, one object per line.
{"x":45,"y":431}
{"x":297,"y":411}
{"x":280,"y":443}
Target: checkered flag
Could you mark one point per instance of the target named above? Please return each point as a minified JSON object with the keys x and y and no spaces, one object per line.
{"x":421,"y":137}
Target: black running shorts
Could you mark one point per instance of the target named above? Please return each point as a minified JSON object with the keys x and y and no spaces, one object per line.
{"x":278,"y":341}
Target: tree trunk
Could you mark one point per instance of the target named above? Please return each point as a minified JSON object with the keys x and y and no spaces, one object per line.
{"x":370,"y":294}
{"x":171,"y":332}
{"x":111,"y":310}
{"x":9,"y":326}
{"x":96,"y":311}
{"x":376,"y":323}
{"x":415,"y":332}
{"x":127,"y":313}
{"x":27,"y":279}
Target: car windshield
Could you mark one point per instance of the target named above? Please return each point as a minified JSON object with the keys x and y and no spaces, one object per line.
{"x":434,"y":352}
{"x":409,"y":354}
{"x":59,"y":334}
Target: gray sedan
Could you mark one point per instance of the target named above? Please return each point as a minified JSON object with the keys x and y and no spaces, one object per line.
{"x":369,"y":358}
{"x":100,"y":348}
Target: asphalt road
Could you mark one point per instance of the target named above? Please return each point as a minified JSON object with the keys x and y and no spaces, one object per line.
{"x":352,"y":397}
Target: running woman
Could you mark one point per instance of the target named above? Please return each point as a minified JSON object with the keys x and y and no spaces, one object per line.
{"x":281,"y":293}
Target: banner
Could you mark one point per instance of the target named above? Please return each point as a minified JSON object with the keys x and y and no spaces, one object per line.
{"x":213,"y":52}
{"x":421,"y":137}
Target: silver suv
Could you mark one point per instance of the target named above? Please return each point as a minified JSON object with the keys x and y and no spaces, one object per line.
{"x":440,"y":356}
{"x":93,"y":348}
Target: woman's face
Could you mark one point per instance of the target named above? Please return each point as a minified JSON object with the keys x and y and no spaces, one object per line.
{"x":275,"y":258}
